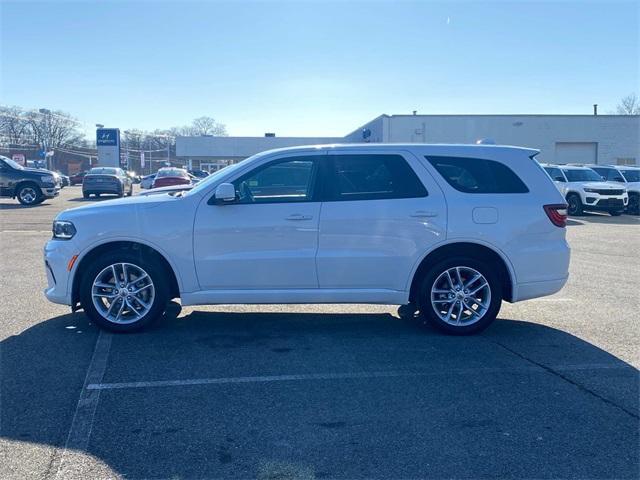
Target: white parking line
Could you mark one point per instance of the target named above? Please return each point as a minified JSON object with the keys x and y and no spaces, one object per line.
{"x":343,"y":376}
{"x":82,"y":423}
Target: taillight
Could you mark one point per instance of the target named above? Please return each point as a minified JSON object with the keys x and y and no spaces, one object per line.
{"x":557,"y":214}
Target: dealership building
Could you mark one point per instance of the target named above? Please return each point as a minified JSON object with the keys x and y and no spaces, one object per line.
{"x":602,"y":139}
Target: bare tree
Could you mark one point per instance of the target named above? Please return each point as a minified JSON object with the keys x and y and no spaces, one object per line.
{"x":205,"y":126}
{"x":629,"y":105}
{"x":53,"y":129}
{"x":14,"y":127}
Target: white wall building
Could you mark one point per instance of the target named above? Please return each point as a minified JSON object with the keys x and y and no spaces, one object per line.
{"x":603,"y":139}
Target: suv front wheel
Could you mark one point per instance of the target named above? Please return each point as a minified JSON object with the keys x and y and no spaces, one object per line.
{"x":123,"y":291}
{"x":460,"y":296}
{"x":29,"y":194}
{"x":575,"y":204}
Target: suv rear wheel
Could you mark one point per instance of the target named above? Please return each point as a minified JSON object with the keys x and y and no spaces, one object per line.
{"x":29,"y":194}
{"x":575,"y":204}
{"x":123,"y":291}
{"x":460,"y":295}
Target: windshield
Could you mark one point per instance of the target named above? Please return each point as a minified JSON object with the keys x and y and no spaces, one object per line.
{"x":212,"y":178}
{"x":103,"y":171}
{"x":12,"y":164}
{"x":631,"y":175}
{"x":582,"y":175}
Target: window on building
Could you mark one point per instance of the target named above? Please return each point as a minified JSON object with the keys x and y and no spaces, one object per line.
{"x":476,"y":175}
{"x":626,"y":161}
{"x":371,"y":177}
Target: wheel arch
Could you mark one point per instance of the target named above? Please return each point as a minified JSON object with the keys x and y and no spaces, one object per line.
{"x":467,"y":248}
{"x":144,"y":250}
{"x":21,"y":183}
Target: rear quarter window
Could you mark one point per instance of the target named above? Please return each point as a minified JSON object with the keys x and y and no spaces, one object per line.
{"x":477,"y":175}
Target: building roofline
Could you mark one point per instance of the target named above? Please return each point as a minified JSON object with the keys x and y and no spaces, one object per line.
{"x":511,"y":115}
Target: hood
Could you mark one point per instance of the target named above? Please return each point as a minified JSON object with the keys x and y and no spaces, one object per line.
{"x":124,"y":205}
{"x":39,"y":171}
{"x":602,"y":185}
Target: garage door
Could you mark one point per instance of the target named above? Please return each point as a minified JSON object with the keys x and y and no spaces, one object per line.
{"x":576,"y":152}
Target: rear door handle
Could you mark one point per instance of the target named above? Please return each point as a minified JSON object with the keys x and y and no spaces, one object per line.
{"x":424,"y":214}
{"x":298,"y":216}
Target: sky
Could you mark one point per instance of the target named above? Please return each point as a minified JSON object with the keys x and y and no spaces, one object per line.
{"x":314,"y":68}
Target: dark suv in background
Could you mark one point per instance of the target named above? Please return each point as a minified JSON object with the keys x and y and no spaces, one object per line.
{"x":30,"y":186}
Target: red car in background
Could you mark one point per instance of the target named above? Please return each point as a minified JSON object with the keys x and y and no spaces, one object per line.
{"x":77,"y":178}
{"x":171,"y":176}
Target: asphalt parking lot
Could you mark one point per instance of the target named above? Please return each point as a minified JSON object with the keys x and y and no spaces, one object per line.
{"x":346,"y":391}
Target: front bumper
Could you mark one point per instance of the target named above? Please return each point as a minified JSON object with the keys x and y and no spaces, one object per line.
{"x":57,"y":254}
{"x":50,"y":192}
{"x":606,"y":203}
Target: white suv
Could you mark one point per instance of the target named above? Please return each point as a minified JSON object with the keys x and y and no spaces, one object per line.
{"x":584,"y":190}
{"x":626,"y":176}
{"x":449,"y":231}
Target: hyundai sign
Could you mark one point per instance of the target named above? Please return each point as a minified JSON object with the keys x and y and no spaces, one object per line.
{"x":107,"y":136}
{"x":108,"y":142}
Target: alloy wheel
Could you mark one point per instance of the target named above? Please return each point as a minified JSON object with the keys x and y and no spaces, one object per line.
{"x":123,"y":293}
{"x":460,"y":296}
{"x":28,"y":195}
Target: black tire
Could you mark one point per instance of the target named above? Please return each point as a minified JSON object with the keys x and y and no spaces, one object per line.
{"x":149,"y":264}
{"x":408,"y":311}
{"x":28,"y":194}
{"x":575,"y":204}
{"x":86,"y":195}
{"x":130,"y":191}
{"x":121,"y":193}
{"x":634,"y":205}
{"x":427,"y":311}
{"x":615,"y":213}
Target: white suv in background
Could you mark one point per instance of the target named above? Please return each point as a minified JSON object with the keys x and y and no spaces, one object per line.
{"x":448,"y":230}
{"x":585,"y":190}
{"x":628,"y":176}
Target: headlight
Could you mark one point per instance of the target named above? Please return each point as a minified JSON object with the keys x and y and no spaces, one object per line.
{"x":63,"y":230}
{"x":48,"y":179}
{"x":591,"y":190}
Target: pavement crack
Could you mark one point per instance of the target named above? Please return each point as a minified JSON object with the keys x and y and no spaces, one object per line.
{"x":568,"y":380}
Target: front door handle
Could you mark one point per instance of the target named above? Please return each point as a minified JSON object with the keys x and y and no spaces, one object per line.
{"x":298,"y":216}
{"x":424,"y":214}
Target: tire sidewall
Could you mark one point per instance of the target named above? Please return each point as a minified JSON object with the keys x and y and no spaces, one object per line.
{"x":578,"y":204}
{"x":34,"y":187}
{"x":424,"y":295}
{"x":153,"y":269}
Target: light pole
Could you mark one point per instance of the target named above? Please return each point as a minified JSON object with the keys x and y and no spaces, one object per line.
{"x":45,"y":137}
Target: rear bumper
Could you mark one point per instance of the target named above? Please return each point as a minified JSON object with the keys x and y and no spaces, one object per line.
{"x":526,"y":291}
{"x":92,"y":189}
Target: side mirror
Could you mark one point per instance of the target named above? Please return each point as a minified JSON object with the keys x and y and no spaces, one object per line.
{"x":225,"y":192}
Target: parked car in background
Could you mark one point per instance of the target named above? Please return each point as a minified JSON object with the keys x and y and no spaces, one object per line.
{"x":585,"y":190}
{"x":76,"y":179}
{"x":64,"y":180}
{"x":110,"y":180}
{"x":449,"y":231}
{"x":171,"y":176}
{"x":626,"y":175}
{"x":172,"y":189}
{"x":147,"y":181}
{"x":135,"y":178}
{"x":30,"y":186}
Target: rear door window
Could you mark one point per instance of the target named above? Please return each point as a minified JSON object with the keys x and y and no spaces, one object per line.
{"x":370,"y":177}
{"x":477,"y":175}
